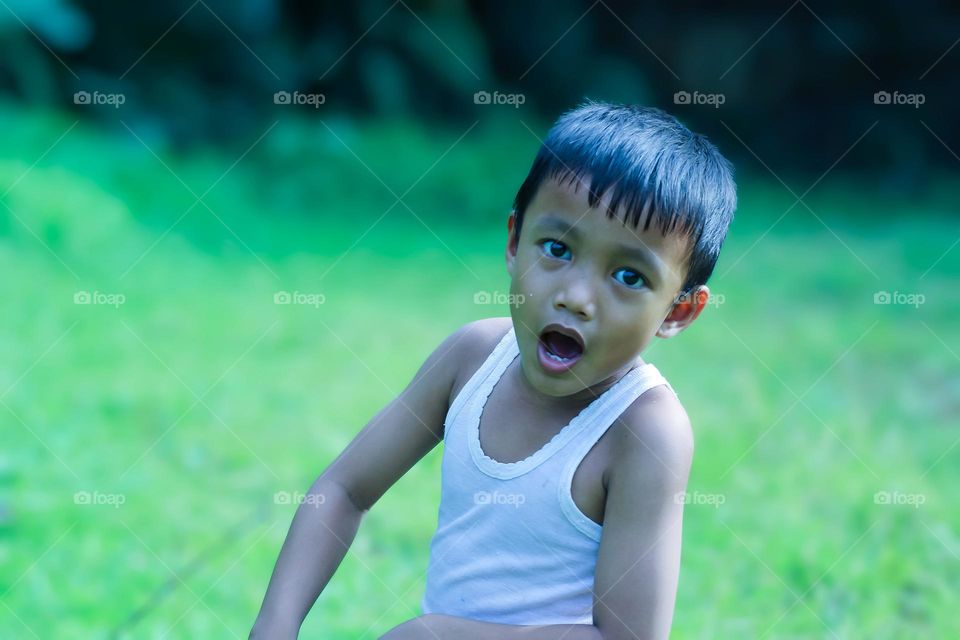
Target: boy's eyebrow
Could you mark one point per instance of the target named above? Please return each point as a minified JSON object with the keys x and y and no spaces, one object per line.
{"x":646,"y":256}
{"x":558,"y":223}
{"x":642,"y":254}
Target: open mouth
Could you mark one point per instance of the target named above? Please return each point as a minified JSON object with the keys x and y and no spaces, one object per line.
{"x":559,"y":349}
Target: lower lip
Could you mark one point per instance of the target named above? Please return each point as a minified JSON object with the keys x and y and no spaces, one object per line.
{"x":551,"y":366}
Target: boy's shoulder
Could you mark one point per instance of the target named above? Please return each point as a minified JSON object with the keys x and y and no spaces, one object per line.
{"x":476,"y":340}
{"x":488,"y":329}
{"x":655,"y":432}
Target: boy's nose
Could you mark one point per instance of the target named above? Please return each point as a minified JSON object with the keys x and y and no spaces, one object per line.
{"x":577,"y":298}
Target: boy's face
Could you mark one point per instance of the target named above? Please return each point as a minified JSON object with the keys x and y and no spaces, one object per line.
{"x":614,"y":285}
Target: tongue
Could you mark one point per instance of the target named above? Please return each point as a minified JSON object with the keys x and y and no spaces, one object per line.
{"x":561,"y":345}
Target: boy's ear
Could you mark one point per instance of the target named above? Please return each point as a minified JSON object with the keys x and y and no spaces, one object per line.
{"x":684,"y":311}
{"x":511,"y":252}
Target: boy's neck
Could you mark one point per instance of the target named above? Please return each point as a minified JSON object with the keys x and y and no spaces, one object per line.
{"x":581,"y":398}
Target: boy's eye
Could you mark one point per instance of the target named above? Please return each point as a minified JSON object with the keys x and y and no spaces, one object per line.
{"x":554,"y":248}
{"x":630,"y":278}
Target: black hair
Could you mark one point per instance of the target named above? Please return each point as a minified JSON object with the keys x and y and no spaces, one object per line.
{"x":655,"y":166}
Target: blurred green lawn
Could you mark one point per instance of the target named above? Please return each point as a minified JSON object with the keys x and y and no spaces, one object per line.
{"x":198,"y":400}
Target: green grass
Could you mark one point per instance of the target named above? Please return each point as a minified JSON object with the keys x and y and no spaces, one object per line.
{"x":198,"y":398}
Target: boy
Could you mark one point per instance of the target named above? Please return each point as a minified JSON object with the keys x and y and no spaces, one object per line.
{"x":566,"y":456}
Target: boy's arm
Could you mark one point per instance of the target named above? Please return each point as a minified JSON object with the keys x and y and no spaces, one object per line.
{"x":384,"y":450}
{"x":638,"y":563}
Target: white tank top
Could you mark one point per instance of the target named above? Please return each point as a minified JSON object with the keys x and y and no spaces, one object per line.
{"x":511,"y":546}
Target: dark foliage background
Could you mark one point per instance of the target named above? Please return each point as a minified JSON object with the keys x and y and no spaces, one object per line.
{"x":794,"y":76}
